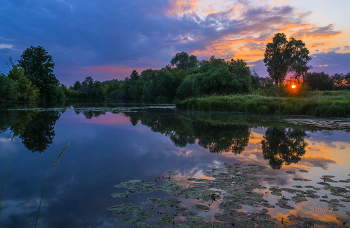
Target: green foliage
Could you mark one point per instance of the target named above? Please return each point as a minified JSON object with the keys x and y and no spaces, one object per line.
{"x":8,"y":89}
{"x":38,"y":67}
{"x":186,"y":90}
{"x":91,"y":89}
{"x":282,"y":56}
{"x":216,"y":77}
{"x":183,"y":61}
{"x":319,"y":81}
{"x":25,"y":90}
{"x":159,"y":85}
{"x":324,"y":107}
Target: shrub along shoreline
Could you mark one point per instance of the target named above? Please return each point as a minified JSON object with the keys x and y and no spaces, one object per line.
{"x":269,"y":105}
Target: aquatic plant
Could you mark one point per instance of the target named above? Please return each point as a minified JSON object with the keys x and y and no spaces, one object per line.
{"x":230,"y":190}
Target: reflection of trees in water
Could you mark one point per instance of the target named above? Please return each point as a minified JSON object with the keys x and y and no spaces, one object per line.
{"x":229,"y":137}
{"x":90,"y":113}
{"x":185,"y":129}
{"x":39,"y":133}
{"x":35,"y":129}
{"x":283,"y":146}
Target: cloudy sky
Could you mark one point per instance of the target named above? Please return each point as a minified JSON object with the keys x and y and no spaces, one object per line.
{"x":108,"y":39}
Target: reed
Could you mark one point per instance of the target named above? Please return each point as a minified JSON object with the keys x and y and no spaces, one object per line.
{"x":54,"y":165}
{"x":334,"y":105}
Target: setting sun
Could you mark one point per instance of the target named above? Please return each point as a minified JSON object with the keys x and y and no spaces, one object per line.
{"x":294,"y":86}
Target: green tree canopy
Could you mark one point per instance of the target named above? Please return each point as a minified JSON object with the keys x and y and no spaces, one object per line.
{"x":25,"y":90}
{"x":283,"y":56}
{"x":183,"y":61}
{"x":319,"y":81}
{"x":38,"y":67}
{"x":8,"y":89}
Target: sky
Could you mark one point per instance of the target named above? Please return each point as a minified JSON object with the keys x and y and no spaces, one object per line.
{"x":111,"y":38}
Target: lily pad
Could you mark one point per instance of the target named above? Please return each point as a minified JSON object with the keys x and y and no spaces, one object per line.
{"x":201,"y":207}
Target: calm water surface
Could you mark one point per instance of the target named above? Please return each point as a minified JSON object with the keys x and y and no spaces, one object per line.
{"x":111,"y":146}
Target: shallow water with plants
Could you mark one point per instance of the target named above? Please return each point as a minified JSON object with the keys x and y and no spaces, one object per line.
{"x":155,"y":166}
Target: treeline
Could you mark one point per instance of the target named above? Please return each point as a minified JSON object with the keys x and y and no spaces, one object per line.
{"x":31,"y":79}
{"x":184,"y":77}
{"x":323,"y":82}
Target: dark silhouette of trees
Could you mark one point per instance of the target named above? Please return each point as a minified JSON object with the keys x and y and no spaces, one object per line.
{"x":182,"y":131}
{"x":283,"y":146}
{"x":35,"y":129}
{"x":283,"y":56}
{"x":39,"y":132}
{"x":183,"y":61}
{"x":222,"y":138}
{"x":38,"y":67}
{"x":319,"y":81}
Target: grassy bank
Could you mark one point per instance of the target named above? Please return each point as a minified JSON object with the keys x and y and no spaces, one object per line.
{"x":316,"y":104}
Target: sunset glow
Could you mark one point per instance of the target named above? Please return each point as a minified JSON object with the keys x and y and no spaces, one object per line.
{"x":114,"y":42}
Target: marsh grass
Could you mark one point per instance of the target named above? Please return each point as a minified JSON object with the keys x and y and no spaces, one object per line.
{"x":47,"y":180}
{"x":322,"y":104}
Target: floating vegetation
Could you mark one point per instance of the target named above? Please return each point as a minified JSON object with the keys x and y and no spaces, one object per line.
{"x":300,"y":179}
{"x":231,"y":191}
{"x":171,"y":173}
{"x":290,"y":172}
{"x":269,"y":179}
{"x":303,"y":171}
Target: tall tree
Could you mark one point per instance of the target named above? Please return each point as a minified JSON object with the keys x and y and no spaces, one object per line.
{"x":38,"y":67}
{"x":282,"y":56}
{"x":134,"y":75}
{"x":183,"y":61}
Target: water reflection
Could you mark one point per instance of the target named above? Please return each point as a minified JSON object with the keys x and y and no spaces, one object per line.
{"x":283,"y":146}
{"x":111,"y":148}
{"x":35,"y":129}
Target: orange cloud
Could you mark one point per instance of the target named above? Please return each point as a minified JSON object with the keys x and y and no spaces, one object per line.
{"x":183,"y":6}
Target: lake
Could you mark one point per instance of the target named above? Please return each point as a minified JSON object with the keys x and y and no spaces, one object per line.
{"x":154,"y":166}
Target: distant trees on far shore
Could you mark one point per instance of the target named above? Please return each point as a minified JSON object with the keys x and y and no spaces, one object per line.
{"x":32,"y":78}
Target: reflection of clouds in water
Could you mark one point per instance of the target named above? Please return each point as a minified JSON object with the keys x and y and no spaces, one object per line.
{"x":8,"y":146}
{"x":317,"y":161}
{"x":21,"y":210}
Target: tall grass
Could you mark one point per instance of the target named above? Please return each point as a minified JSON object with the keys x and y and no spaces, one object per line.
{"x":317,"y":104}
{"x":47,"y":180}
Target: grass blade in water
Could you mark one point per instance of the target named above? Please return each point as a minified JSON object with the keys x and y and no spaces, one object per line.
{"x":54,"y":165}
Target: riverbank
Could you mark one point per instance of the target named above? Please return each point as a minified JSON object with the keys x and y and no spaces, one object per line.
{"x":322,"y":106}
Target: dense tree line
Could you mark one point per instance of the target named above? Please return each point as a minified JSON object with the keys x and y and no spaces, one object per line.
{"x":184,"y":77}
{"x":322,"y":81}
{"x":32,"y":78}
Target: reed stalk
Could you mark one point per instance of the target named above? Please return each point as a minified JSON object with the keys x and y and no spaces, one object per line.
{"x":42,"y":195}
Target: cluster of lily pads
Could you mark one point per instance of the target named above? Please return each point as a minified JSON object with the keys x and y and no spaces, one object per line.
{"x":225,"y":194}
{"x":330,"y":124}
